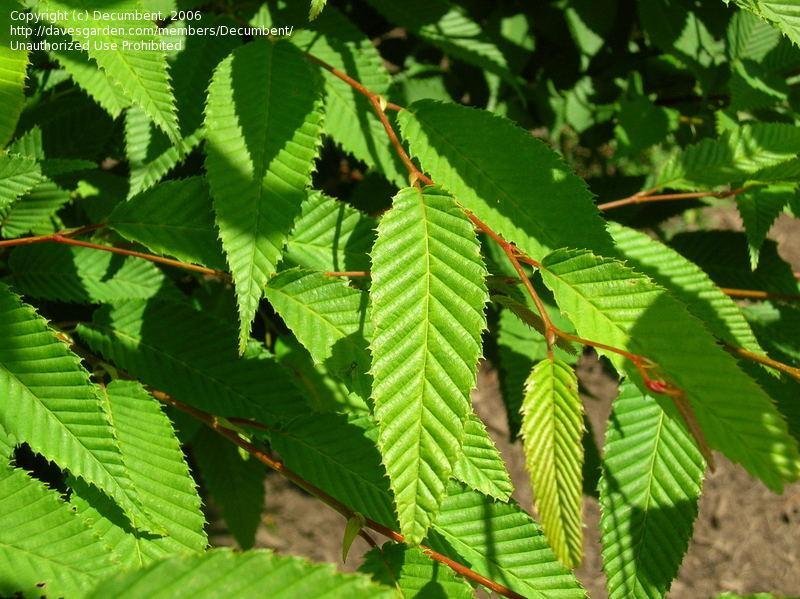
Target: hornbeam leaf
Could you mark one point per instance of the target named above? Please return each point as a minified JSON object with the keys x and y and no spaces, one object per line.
{"x":759,"y":208}
{"x":512,"y":181}
{"x":652,"y":475}
{"x":413,"y":573}
{"x":610,"y":302}
{"x":428,"y":294}
{"x":448,"y":26}
{"x":501,"y":541}
{"x":249,"y":575}
{"x":153,"y":457}
{"x":85,"y":73}
{"x":552,"y":433}
{"x":45,"y":548}
{"x":18,"y":175}
{"x":47,"y":401}
{"x":263,"y":122}
{"x":139,"y":71}
{"x":687,"y":282}
{"x":13,"y":66}
{"x":481,"y":467}
{"x":783,"y":15}
{"x":331,"y":235}
{"x":328,"y":317}
{"x":175,"y":219}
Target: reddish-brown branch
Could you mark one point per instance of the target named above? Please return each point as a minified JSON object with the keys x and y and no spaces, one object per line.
{"x":68,"y":238}
{"x":216,"y":425}
{"x":760,"y":295}
{"x":356,"y":85}
{"x":792,"y":371}
{"x":643,"y":197}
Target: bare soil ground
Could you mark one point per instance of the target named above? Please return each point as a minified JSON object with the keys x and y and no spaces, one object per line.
{"x":746,"y":540}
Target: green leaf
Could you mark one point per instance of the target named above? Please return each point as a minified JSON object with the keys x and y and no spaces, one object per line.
{"x":13,"y":67}
{"x":173,"y":219}
{"x":18,"y":175}
{"x":759,"y":208}
{"x":751,"y":152}
{"x":688,"y":283}
{"x":141,"y":73}
{"x":192,"y":356}
{"x":449,"y":27}
{"x":247,"y":575}
{"x":264,"y":122}
{"x":316,"y":8}
{"x":35,"y":212}
{"x":486,"y":161}
{"x":47,"y":401}
{"x":234,"y":482}
{"x":783,"y":15}
{"x":154,"y":460}
{"x":89,"y":77}
{"x":349,"y":116}
{"x":610,"y":302}
{"x":501,"y":541}
{"x":75,"y":274}
{"x":413,"y":573}
{"x":428,"y":295}
{"x":650,"y":486}
{"x":750,"y":37}
{"x":338,"y":454}
{"x":355,"y":524}
{"x":328,"y":317}
{"x":45,"y":548}
{"x":776,"y":326}
{"x":481,"y":467}
{"x":552,"y":434}
{"x":330,"y":235}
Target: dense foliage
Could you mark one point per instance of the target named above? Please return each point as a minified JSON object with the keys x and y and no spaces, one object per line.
{"x":240,"y":252}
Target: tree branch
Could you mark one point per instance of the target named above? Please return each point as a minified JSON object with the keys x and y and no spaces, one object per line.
{"x":646,"y":196}
{"x":68,"y":238}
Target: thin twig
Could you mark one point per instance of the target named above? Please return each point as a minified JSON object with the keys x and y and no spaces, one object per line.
{"x":792,"y":371}
{"x":760,"y":295}
{"x":347,"y":273}
{"x":68,"y":238}
{"x":648,"y":196}
{"x":216,"y":425}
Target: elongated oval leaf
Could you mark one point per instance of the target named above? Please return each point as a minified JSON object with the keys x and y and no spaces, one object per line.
{"x":161,"y":480}
{"x":328,"y":317}
{"x":428,"y":296}
{"x":45,"y":548}
{"x":652,"y":474}
{"x":47,"y":401}
{"x":263,"y":122}
{"x":552,"y":433}
{"x":512,"y":181}
{"x":252,"y":574}
{"x":175,"y":219}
